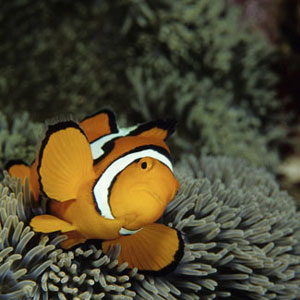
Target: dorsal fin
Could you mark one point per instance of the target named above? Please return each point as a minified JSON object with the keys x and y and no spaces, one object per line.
{"x":99,"y":124}
{"x":65,"y":161}
{"x":160,"y":129}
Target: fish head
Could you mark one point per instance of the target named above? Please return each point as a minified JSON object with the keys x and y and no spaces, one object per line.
{"x":142,"y":191}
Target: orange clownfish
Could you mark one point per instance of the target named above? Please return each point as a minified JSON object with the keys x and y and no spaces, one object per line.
{"x":107,"y":183}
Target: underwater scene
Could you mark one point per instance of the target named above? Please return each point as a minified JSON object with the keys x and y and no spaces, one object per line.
{"x":150,"y":149}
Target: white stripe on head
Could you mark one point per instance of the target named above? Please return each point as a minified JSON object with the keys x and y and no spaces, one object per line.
{"x":101,"y":188}
{"x":96,"y":146}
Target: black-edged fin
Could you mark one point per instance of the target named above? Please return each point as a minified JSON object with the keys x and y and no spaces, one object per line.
{"x":155,"y":248}
{"x":18,"y":168}
{"x":99,"y":124}
{"x":160,"y":129}
{"x":65,"y":161}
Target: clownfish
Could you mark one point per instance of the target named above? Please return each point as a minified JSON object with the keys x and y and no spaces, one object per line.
{"x":107,"y":183}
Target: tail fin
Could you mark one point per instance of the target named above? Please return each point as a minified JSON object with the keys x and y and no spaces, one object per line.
{"x":21,"y":170}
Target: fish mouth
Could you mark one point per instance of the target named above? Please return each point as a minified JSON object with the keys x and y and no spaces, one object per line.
{"x":157,"y":200}
{"x":147,"y":215}
{"x":150,"y":193}
{"x":153,"y":195}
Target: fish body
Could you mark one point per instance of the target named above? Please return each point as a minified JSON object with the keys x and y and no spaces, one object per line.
{"x":107,"y":183}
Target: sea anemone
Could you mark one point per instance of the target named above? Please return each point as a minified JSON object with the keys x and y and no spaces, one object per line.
{"x":241,"y":235}
{"x":23,"y":254}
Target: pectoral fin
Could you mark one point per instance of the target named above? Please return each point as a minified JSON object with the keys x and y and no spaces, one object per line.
{"x":74,"y":238}
{"x":65,"y":161}
{"x":48,"y":223}
{"x":156,"y":247}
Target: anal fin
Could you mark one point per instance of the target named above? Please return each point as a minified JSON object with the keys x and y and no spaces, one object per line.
{"x":74,"y":238}
{"x":48,"y":223}
{"x":156,"y":247}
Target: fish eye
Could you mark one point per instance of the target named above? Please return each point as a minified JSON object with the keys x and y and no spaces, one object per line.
{"x":146,"y":163}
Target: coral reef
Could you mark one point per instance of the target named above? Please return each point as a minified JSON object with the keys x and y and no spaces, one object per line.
{"x":241,"y":233}
{"x":193,"y":60}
